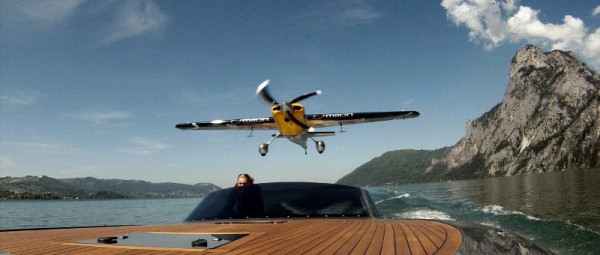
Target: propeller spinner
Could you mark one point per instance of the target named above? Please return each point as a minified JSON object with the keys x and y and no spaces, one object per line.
{"x":285,"y":107}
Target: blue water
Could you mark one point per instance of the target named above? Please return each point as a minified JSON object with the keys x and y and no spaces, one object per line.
{"x":72,"y":213}
{"x":559,"y":211}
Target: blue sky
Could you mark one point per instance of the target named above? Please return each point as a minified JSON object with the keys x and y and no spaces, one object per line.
{"x":95,"y":88}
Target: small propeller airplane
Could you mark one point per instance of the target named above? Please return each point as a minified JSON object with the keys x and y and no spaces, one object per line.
{"x":290,"y":120}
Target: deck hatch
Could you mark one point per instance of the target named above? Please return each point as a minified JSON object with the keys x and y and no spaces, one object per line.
{"x":167,"y":240}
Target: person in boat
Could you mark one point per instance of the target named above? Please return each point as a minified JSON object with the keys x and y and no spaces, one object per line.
{"x":244,"y":180}
{"x":245,"y":200}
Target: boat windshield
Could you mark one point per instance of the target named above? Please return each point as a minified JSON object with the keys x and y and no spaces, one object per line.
{"x":284,"y":200}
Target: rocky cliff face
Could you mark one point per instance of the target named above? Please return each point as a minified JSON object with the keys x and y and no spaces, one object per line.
{"x":547,"y":121}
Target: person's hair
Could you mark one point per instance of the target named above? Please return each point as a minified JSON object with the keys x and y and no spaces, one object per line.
{"x":248,"y":178}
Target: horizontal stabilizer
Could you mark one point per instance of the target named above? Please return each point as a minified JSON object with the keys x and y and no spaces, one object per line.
{"x":323,"y":133}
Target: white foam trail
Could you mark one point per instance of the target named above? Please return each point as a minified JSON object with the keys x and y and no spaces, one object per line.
{"x":425,"y":214}
{"x":494,"y":209}
{"x":491,"y":224}
{"x":395,"y":197}
{"x":499,"y":210}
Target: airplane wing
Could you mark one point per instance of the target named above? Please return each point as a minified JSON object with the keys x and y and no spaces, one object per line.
{"x":336,"y":119}
{"x":266,"y":123}
{"x":314,"y":120}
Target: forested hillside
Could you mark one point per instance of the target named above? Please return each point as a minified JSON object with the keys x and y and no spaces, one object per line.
{"x":44,"y":187}
{"x":393,"y":167}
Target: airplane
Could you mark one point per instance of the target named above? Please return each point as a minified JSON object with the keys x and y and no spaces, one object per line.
{"x":291,"y":121}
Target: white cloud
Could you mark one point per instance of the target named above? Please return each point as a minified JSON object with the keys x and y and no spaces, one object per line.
{"x":21,"y":98}
{"x":357,"y":15}
{"x":483,"y":18}
{"x":596,"y":11}
{"x":103,"y":117}
{"x":144,"y":146}
{"x":592,"y":47}
{"x":136,"y":18}
{"x":525,"y":25}
{"x":48,"y":148}
{"x":41,"y":13}
{"x":493,"y":22}
{"x":333,"y":14}
{"x":122,"y":19}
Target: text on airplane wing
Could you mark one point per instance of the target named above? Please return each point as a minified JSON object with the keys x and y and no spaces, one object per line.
{"x":335,"y":119}
{"x":267,"y":123}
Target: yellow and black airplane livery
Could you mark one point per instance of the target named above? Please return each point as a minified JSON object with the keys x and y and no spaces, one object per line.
{"x":290,"y":119}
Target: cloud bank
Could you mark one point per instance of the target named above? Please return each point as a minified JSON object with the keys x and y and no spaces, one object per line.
{"x":104,"y":117}
{"x":136,"y":18}
{"x":144,"y":146}
{"x":339,"y":14}
{"x":118,"y":20}
{"x":596,"y":11}
{"x":21,"y":98}
{"x":48,"y":148}
{"x":493,"y":22}
{"x":39,"y":14}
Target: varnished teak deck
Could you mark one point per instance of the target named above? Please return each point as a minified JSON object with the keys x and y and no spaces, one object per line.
{"x":306,"y":236}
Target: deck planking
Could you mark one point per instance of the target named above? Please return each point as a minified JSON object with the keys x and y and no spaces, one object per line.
{"x":295,"y":236}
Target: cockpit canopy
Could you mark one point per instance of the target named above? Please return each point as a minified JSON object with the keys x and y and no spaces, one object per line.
{"x":285,"y":200}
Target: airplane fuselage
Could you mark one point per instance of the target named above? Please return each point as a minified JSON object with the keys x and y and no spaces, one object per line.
{"x":287,"y":127}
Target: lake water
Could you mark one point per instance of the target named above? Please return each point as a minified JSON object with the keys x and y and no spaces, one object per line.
{"x":560,"y":210}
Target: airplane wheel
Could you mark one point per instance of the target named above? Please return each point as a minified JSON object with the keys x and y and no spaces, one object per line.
{"x":263,"y":149}
{"x":320,"y":146}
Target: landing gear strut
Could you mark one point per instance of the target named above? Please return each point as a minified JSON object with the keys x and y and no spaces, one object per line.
{"x":263,"y":148}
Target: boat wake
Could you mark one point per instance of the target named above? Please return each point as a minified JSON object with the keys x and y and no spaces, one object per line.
{"x":499,"y":210}
{"x":426,"y":214}
{"x":392,"y":198}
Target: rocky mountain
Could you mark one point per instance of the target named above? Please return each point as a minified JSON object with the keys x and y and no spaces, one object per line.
{"x":44,"y":187}
{"x":547,"y":121}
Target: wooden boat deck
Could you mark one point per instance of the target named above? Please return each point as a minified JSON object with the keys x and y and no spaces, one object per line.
{"x":295,"y":236}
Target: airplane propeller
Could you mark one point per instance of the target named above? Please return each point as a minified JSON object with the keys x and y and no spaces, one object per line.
{"x":305,"y":96}
{"x":285,"y":106}
{"x":264,"y":93}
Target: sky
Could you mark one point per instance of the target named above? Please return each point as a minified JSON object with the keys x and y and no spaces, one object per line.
{"x":95,"y":88}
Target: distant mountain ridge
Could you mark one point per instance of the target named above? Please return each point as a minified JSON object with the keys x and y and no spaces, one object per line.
{"x":547,"y":121}
{"x":44,"y":187}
